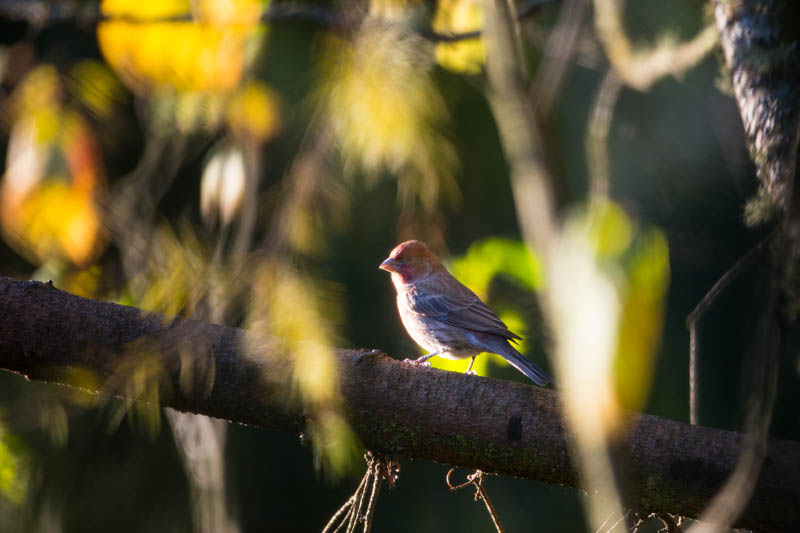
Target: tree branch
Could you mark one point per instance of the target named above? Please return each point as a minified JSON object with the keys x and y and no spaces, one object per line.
{"x":495,"y":426}
{"x":46,"y":12}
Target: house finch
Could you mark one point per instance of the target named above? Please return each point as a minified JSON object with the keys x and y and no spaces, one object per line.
{"x":445,"y":317}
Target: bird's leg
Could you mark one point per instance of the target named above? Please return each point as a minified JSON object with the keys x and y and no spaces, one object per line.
{"x":423,"y":360}
{"x":469,"y":368}
{"x":428,"y":356}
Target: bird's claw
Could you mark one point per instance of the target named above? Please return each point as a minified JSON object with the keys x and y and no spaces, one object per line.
{"x":471,"y":373}
{"x":417,"y":362}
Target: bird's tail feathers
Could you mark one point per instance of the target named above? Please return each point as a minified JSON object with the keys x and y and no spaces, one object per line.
{"x":521,"y":363}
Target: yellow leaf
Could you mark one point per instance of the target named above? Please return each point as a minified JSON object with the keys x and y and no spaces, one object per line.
{"x":145,"y":9}
{"x":93,"y":84}
{"x":48,"y":213}
{"x":253,"y":111}
{"x":610,"y":229}
{"x":641,"y":320}
{"x":59,"y":220}
{"x":460,"y":16}
{"x":186,"y":56}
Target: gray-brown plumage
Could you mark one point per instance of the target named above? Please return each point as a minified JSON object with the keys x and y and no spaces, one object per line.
{"x":445,"y":317}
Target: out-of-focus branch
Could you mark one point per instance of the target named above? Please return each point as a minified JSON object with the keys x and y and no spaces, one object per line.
{"x":760,"y":389}
{"x":496,"y":426}
{"x":44,"y":12}
{"x":536,"y":210}
{"x":519,"y":132}
{"x":557,"y":57}
{"x":639,"y":67}
{"x":597,"y":135}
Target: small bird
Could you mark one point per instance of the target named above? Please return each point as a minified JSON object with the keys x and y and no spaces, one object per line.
{"x":445,"y":317}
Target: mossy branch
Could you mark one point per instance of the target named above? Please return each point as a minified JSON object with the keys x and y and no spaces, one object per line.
{"x":495,"y":426}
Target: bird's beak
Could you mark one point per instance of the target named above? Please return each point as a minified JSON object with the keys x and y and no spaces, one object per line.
{"x":390,"y":265}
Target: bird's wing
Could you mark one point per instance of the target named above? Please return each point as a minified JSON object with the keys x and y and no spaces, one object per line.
{"x":446,"y":299}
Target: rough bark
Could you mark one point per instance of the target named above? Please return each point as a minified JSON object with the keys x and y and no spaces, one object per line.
{"x":496,"y":426}
{"x":760,"y":39}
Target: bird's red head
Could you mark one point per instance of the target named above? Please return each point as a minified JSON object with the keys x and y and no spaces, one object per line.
{"x":411,"y":260}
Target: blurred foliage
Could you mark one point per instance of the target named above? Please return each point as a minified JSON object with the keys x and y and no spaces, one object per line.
{"x":613,"y":274}
{"x":487,"y":258}
{"x":14,"y":468}
{"x":293,"y":309}
{"x":642,"y":320}
{"x":254,"y":112}
{"x":386,"y":111}
{"x":138,"y":380}
{"x":54,"y":170}
{"x":605,"y":300}
{"x":208,"y":53}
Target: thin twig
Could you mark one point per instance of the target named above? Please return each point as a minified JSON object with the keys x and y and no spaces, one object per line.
{"x":670,"y":525}
{"x":615,"y":524}
{"x":638,"y":67}
{"x":531,"y":182}
{"x":489,"y":507}
{"x":597,"y":134}
{"x":557,"y":57}
{"x":337,"y":514}
{"x":761,"y":369}
{"x":603,"y":525}
{"x":700,"y":308}
{"x":476,"y":479}
{"x":636,"y":526}
{"x":692,"y":374}
{"x":379,"y":468}
{"x":373,"y":501}
{"x":355,"y":511}
{"x":347,"y":505}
